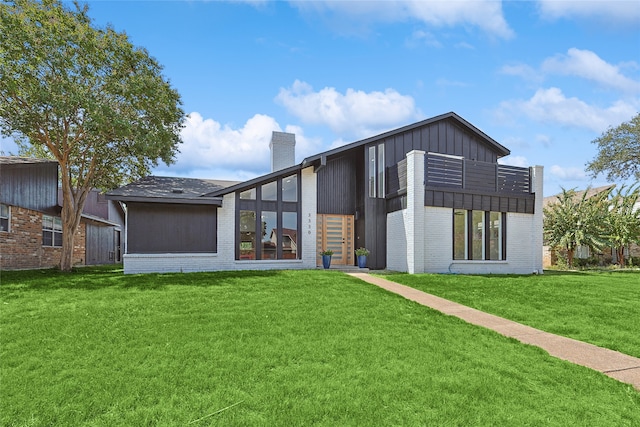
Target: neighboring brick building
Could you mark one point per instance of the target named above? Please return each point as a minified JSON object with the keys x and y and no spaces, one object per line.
{"x":30,"y":224}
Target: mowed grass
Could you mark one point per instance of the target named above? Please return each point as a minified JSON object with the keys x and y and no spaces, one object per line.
{"x":599,"y":307}
{"x":98,"y":348}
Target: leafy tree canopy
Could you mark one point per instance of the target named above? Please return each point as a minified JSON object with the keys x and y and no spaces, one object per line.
{"x":618,"y":152}
{"x":84,"y":96}
{"x":576,"y":220}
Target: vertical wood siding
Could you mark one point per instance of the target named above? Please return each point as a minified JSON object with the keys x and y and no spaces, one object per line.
{"x":172,"y":228}
{"x":337,"y":186}
{"x":31,"y":186}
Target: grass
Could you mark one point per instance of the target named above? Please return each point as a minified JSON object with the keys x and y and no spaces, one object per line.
{"x":97,"y":348}
{"x":599,"y":307}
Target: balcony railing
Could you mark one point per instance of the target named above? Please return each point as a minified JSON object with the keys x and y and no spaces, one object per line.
{"x":457,"y":172}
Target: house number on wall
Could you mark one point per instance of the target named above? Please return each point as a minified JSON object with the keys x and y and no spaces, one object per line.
{"x":309,"y":223}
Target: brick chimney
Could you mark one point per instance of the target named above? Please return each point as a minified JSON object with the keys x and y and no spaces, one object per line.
{"x":283,"y":150}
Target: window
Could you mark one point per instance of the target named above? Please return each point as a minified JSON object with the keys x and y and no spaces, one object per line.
{"x":290,"y":189}
{"x":478,"y":235}
{"x":272,"y":208}
{"x":51,"y":231}
{"x":4,"y":217}
{"x":249,"y":194}
{"x":376,"y":171}
{"x":247,"y":235}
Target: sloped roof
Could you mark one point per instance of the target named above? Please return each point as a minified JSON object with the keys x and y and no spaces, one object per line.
{"x":216,"y":189}
{"x":549,"y":200}
{"x":170,"y":190}
{"x":499,"y":148}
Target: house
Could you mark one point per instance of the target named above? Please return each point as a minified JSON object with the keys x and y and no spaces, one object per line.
{"x":30,"y":223}
{"x":427,"y":197}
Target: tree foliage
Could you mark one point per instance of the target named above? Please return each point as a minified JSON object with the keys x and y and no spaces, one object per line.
{"x":618,"y":152}
{"x":576,"y":220}
{"x":85,"y":97}
{"x":623,"y":220}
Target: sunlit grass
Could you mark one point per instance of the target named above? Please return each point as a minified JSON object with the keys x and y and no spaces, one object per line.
{"x":602,"y":308}
{"x":271,"y":349}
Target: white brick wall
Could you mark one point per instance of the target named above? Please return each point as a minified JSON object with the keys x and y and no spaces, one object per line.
{"x":283,"y":150}
{"x":415,"y":221}
{"x":225,"y":258}
{"x":397,"y":241}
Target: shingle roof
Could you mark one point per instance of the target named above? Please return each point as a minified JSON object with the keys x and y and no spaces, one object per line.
{"x":170,"y":190}
{"x":17,"y":160}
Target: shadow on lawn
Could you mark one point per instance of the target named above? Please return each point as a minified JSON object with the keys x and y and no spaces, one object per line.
{"x":97,"y":278}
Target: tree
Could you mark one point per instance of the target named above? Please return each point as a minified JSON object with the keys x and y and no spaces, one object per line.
{"x":576,"y":220}
{"x":623,"y":220}
{"x":85,"y":97}
{"x":618,"y":152}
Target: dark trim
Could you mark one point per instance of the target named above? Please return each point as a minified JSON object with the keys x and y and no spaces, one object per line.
{"x":256,"y":181}
{"x":504,"y":236}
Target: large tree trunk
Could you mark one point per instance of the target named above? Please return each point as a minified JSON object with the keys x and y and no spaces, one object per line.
{"x":620,"y":254}
{"x":570,"y":253}
{"x":72,"y":206}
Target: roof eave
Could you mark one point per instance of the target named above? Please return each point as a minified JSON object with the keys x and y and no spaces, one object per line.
{"x":215,"y":201}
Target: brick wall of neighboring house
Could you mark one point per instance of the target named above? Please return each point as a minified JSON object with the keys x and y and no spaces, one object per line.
{"x":21,"y":247}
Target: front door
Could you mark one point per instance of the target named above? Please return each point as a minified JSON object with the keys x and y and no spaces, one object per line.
{"x":336,"y":233}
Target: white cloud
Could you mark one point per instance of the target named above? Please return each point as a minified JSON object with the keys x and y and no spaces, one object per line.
{"x":568,"y":173}
{"x":355,"y":112}
{"x":423,"y":38}
{"x":524,"y":71}
{"x":211,"y":150}
{"x":552,"y":106}
{"x":588,"y":65}
{"x":610,"y":11}
{"x":484,"y":14}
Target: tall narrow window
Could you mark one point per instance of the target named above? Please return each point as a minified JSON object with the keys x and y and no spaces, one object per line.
{"x":477,"y":242}
{"x":269,"y":234}
{"x":495,"y":235}
{"x":4,"y":217}
{"x":247,"y":235}
{"x":289,"y":242}
{"x":459,"y":234}
{"x":381,"y":183}
{"x":372,"y":172}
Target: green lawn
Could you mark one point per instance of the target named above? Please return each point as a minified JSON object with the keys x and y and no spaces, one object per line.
{"x":602,"y":308}
{"x":98,"y":348}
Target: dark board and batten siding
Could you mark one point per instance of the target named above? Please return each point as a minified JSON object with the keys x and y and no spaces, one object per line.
{"x":32,"y":186}
{"x":171,"y":228}
{"x":337,"y":187}
{"x":445,"y":137}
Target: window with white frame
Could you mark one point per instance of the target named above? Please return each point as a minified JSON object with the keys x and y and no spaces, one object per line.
{"x":5,"y":214}
{"x":479,"y":235}
{"x":51,"y":231}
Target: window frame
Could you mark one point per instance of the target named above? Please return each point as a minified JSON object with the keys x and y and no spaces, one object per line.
{"x":55,"y":230}
{"x":261,"y":206}
{"x":470,"y":225}
{"x":5,"y":218}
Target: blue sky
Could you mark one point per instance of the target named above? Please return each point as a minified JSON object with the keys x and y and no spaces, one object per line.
{"x":543,"y":78}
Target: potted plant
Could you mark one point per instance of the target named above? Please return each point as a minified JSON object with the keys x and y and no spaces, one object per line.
{"x":362,"y":253}
{"x":326,"y":258}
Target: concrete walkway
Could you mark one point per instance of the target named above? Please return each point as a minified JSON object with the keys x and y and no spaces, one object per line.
{"x":612,"y":363}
